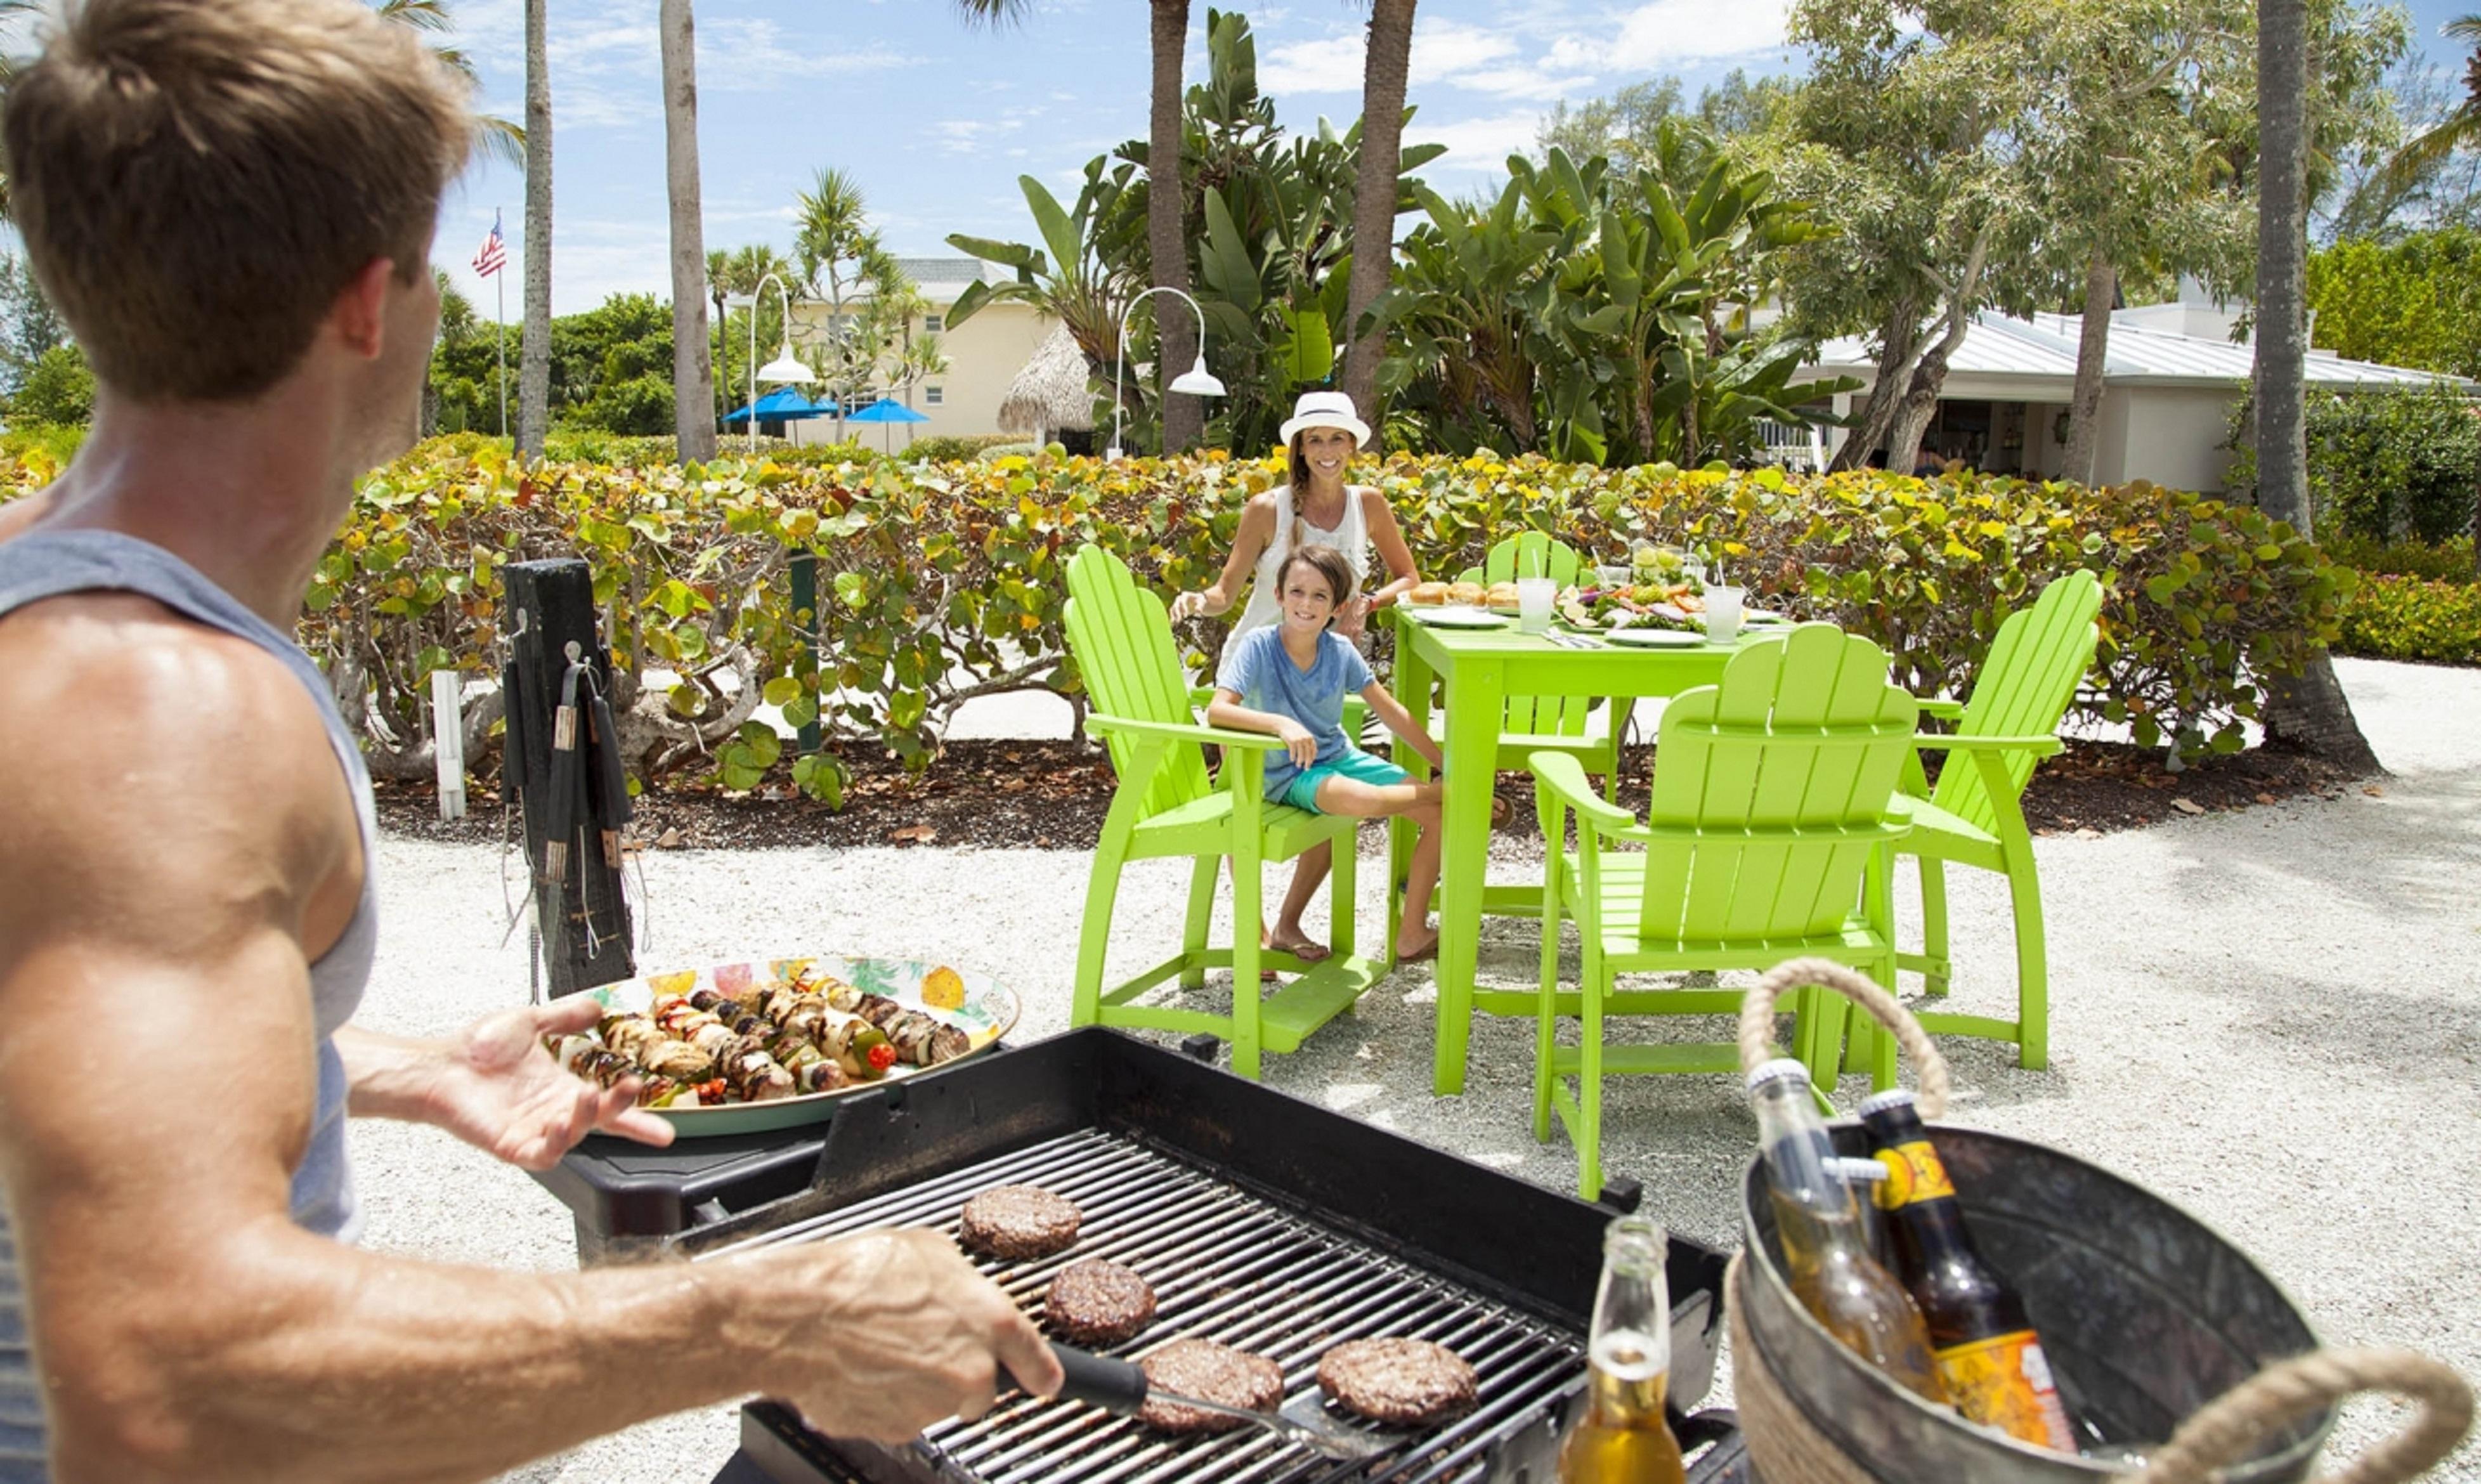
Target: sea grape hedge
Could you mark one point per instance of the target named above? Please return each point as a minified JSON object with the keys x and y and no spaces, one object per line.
{"x":940,"y":582}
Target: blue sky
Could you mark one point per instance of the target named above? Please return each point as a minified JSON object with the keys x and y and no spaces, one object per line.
{"x":938,"y":121}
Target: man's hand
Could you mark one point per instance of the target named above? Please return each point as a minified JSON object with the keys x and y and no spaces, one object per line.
{"x":913,"y":1334}
{"x":1297,"y":742}
{"x":1188,"y":605}
{"x":1354,"y":617}
{"x":494,"y":1087}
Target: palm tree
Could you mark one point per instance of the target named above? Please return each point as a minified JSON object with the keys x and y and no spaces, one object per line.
{"x":533,"y":354}
{"x":2460,"y":129}
{"x":494,"y":136}
{"x":1183,"y":418}
{"x":2309,"y":710}
{"x":692,"y":372}
{"x":1385,"y":68}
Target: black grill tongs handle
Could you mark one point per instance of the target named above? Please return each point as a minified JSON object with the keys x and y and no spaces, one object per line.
{"x":1114,"y":1386}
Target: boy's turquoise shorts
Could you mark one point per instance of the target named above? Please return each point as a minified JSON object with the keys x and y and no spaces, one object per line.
{"x":1301,"y":792}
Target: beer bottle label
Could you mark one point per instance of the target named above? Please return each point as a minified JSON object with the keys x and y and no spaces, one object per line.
{"x":2005,"y":1382}
{"x":1914,"y":1172}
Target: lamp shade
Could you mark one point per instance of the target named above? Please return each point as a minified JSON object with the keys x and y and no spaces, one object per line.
{"x":786,"y":367}
{"x":1197,"y":380}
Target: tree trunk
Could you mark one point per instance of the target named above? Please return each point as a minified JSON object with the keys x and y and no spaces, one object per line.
{"x":692,"y":369}
{"x":534,"y":356}
{"x":1899,"y":342}
{"x":2309,"y":711}
{"x":1385,"y":68}
{"x":1184,"y":417}
{"x":1914,"y":413}
{"x":2093,"y":356}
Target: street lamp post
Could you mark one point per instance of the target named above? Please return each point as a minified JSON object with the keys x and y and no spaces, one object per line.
{"x":1195,"y":381}
{"x":786,"y":367}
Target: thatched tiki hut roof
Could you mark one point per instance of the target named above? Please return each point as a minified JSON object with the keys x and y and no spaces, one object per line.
{"x":1050,"y":393}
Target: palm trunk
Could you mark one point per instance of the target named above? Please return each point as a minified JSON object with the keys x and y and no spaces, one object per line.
{"x":533,"y":357}
{"x":692,"y":372}
{"x":1384,"y":72}
{"x":1184,"y":417}
{"x":2309,"y":710}
{"x":2093,"y":355}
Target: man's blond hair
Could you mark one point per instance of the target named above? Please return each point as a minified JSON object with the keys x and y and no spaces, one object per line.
{"x":197,"y":180}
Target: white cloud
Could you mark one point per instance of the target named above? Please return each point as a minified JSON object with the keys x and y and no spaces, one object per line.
{"x":1670,"y":33}
{"x":1328,"y":65}
{"x":1477,"y":145}
{"x":1445,"y":53}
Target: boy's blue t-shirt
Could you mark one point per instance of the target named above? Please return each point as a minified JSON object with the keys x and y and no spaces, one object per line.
{"x":1266,"y":679}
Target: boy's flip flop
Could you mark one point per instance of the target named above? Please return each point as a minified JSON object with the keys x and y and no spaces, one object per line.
{"x":1423,"y":954}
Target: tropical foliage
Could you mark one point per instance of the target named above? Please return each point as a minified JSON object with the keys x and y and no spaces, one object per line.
{"x":2416,"y":302}
{"x":1597,"y":317}
{"x":2387,"y":463}
{"x":942,"y":581}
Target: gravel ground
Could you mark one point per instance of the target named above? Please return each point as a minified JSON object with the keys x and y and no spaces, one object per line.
{"x":2252,"y":1013}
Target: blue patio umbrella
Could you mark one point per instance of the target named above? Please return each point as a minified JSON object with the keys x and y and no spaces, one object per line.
{"x":784,"y":405}
{"x":887,"y":410}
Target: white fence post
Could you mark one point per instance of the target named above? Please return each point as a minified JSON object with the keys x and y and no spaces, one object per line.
{"x":448,"y":740}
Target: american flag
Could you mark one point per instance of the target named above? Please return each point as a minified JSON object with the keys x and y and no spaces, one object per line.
{"x":493,"y":254}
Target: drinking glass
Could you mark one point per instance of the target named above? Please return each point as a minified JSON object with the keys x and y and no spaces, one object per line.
{"x":1533,"y":598}
{"x":1722,"y":614}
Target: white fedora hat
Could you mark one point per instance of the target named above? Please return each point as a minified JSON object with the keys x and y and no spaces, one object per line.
{"x":1327,"y":410}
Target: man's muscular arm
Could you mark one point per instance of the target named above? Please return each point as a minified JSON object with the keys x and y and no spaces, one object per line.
{"x":174,"y":818}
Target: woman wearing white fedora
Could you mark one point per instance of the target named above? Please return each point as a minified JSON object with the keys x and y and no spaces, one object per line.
{"x":1316,"y":508}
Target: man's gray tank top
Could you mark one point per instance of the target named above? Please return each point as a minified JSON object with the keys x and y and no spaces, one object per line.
{"x":46,"y":565}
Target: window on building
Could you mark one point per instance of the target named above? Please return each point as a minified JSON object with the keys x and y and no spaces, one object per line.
{"x":934,"y":396}
{"x":932,"y":324}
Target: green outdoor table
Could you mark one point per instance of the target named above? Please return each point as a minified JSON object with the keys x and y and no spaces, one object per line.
{"x":1477,"y":669}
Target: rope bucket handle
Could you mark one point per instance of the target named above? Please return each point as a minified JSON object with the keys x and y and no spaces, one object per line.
{"x":1758,"y":1021}
{"x":2229,"y":1425}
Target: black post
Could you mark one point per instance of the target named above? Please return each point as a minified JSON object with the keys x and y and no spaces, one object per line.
{"x":572,"y":843}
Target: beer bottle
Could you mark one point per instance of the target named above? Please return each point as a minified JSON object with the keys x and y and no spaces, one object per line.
{"x":1832,"y":1271}
{"x":1622,"y":1437}
{"x":1988,"y":1354}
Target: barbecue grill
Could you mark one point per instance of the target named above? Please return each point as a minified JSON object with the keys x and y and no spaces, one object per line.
{"x":1261,"y":1220}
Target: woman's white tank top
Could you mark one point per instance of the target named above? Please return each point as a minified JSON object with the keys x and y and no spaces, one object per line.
{"x":1351,"y":537}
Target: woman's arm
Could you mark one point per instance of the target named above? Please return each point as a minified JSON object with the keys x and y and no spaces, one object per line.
{"x":1248,"y":545}
{"x":1400,"y":722}
{"x":1380,"y":517}
{"x":1226,"y":710}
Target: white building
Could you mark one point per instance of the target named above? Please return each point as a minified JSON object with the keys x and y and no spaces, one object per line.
{"x":984,"y":355}
{"x":2172,"y":379}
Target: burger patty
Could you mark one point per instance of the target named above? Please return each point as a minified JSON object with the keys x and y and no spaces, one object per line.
{"x":1209,"y":1372}
{"x":1096,"y":1303}
{"x":1018,"y":1223}
{"x":1401,"y":1381}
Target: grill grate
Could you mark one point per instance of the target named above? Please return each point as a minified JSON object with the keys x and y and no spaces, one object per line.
{"x":1229,"y":1265}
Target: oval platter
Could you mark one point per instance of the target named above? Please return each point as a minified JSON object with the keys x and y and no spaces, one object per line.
{"x":974,"y":1003}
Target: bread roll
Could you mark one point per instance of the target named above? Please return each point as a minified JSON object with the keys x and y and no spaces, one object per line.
{"x":1466,"y":592}
{"x":1427,"y":594}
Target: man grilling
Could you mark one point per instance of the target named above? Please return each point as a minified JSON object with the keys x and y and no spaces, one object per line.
{"x":229,"y":203}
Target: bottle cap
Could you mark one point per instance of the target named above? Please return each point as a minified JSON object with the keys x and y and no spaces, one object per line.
{"x":1880,"y":1102}
{"x":1783,"y":1069}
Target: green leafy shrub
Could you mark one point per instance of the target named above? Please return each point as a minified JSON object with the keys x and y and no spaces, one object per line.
{"x":57,"y":389}
{"x":938,"y":583}
{"x":952,"y":448}
{"x":56,"y":442}
{"x":2448,"y":562}
{"x":2385,"y":463}
{"x":2407,"y":618}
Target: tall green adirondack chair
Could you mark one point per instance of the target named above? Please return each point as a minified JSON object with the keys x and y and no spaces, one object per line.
{"x":1166,"y":805}
{"x":1974,"y":817}
{"x":1772,"y":794}
{"x":1551,"y":724}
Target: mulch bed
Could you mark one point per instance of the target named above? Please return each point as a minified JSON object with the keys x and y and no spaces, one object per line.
{"x":1053,"y":795}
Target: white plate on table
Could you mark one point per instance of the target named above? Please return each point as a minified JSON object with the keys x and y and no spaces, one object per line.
{"x":1653,"y":638}
{"x":1456,"y":616}
{"x":1765,"y":620}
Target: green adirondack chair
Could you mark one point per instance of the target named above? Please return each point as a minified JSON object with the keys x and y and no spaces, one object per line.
{"x":1551,"y":724}
{"x":1974,"y":815}
{"x":1166,"y":805}
{"x":1772,"y":794}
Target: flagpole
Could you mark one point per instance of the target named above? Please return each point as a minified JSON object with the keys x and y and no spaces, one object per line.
{"x":501,"y":323}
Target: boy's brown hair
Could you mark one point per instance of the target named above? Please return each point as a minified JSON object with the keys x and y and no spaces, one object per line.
{"x":195,"y":182}
{"x":1328,"y":562}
